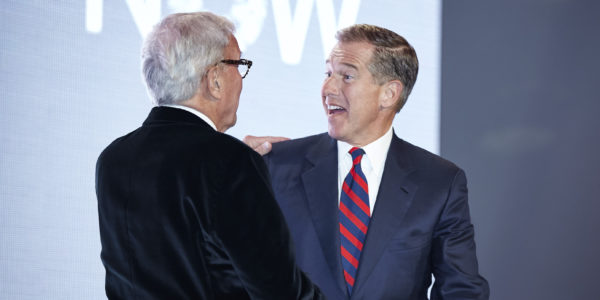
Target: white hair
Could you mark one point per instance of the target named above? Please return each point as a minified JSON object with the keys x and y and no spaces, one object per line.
{"x":178,"y":52}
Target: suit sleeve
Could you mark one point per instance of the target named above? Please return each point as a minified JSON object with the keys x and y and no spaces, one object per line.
{"x":453,"y":254}
{"x":255,"y":235}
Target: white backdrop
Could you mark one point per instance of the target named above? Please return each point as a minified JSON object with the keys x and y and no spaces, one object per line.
{"x":71,"y":83}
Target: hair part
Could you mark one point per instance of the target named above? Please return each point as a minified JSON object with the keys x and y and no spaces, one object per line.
{"x":179,"y":51}
{"x":393,"y":57}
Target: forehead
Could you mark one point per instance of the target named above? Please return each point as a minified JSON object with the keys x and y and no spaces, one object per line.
{"x":353,"y":54}
{"x":232,"y":48}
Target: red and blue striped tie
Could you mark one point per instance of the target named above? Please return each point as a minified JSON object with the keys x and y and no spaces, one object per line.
{"x":354,"y":217}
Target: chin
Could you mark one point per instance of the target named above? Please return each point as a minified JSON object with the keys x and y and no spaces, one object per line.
{"x":226,"y":127}
{"x":232,"y":122}
{"x":333,"y":134}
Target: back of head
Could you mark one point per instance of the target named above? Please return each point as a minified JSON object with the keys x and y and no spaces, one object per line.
{"x":179,"y":50}
{"x":393,"y":57}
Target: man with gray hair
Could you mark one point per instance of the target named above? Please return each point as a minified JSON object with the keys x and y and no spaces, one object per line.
{"x":187,"y":212}
{"x":373,"y":216}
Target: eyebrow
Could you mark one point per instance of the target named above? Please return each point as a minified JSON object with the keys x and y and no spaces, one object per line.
{"x":349,"y":65}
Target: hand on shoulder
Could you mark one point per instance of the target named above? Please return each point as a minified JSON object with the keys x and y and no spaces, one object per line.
{"x":262,"y":144}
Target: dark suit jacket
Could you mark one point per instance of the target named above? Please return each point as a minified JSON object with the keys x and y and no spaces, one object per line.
{"x":188,"y":213}
{"x":420,"y":224}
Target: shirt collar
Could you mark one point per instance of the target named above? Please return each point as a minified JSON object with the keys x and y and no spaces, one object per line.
{"x":195,"y":112}
{"x":376,"y":151}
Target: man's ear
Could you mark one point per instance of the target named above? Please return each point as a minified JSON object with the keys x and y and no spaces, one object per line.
{"x":212,"y":82}
{"x":390,"y":94}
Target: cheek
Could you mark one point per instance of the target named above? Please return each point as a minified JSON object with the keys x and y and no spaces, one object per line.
{"x":364,"y":104}
{"x":355,"y":98}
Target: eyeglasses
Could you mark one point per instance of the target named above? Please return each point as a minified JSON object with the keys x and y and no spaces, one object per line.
{"x":243,"y":65}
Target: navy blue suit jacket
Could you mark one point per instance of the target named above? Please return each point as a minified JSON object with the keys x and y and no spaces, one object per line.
{"x":420,"y":224}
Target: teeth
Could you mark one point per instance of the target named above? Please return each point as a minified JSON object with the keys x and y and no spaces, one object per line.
{"x":331,"y":107}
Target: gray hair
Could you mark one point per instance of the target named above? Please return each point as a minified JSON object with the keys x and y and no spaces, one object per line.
{"x":178,"y":52}
{"x":393,"y":57}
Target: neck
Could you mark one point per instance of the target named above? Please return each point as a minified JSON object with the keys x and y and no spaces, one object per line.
{"x":206,"y":107}
{"x":379,"y":131}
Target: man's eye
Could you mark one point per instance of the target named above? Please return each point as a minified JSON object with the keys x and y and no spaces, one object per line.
{"x":348,"y":77}
{"x":327,"y":74}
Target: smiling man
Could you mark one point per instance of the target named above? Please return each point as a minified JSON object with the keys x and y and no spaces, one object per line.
{"x":372,"y":216}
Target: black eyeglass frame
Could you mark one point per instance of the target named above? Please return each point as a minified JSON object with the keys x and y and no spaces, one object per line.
{"x":238,"y":62}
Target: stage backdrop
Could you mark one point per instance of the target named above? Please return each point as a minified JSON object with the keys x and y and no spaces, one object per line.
{"x":520,"y":114}
{"x":71,"y":83}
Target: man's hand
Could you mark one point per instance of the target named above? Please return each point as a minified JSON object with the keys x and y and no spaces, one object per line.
{"x":262,"y":144}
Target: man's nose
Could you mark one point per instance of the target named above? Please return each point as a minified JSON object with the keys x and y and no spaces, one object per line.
{"x":330,"y":86}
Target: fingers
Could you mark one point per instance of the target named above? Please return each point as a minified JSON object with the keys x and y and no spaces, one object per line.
{"x":262,"y":144}
{"x":264,"y":148}
{"x":276,"y":139}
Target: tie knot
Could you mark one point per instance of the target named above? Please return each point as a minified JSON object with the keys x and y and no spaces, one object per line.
{"x":357,"y":154}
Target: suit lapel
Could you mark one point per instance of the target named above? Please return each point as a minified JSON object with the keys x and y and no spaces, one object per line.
{"x":393,"y":200}
{"x":320,"y":184}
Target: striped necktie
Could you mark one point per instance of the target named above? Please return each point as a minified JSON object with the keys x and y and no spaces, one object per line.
{"x":354,"y":217}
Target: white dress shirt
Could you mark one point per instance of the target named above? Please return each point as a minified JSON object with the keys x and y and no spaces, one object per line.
{"x":372,"y":164}
{"x":195,"y":112}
